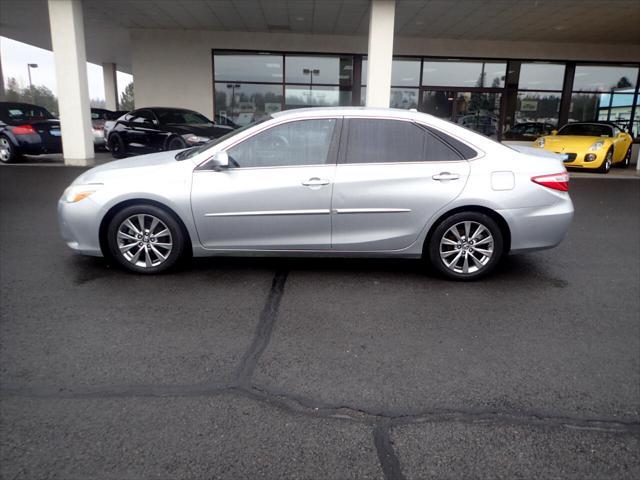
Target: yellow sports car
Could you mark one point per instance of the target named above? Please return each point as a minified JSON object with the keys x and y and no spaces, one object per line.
{"x":593,"y":145}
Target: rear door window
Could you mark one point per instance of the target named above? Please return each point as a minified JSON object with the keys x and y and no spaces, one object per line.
{"x":372,"y":140}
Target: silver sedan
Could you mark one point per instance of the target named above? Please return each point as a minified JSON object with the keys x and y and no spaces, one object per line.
{"x":327,"y":181}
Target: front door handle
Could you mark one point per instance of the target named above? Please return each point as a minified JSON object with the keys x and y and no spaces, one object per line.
{"x":315,"y":182}
{"x":445,"y":176}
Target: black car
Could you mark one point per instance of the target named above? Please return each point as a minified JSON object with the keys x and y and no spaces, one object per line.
{"x":528,"y":131}
{"x":27,"y":129}
{"x":154,"y":129}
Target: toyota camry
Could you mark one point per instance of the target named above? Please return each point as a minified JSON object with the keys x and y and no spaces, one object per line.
{"x":327,"y":181}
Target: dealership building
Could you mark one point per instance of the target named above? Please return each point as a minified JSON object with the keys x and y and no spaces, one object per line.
{"x":486,"y":64}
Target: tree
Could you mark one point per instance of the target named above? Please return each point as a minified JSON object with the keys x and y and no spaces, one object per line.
{"x":12,"y":93}
{"x":126,"y":99}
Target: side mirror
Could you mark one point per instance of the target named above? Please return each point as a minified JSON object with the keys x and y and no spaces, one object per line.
{"x":220,"y":160}
{"x":554,"y":132}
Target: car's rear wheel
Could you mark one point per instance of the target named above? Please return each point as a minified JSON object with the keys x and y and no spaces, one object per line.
{"x":606,"y":163}
{"x":627,"y":159}
{"x":145,"y":239}
{"x":176,"y":143}
{"x":117,"y":146}
{"x":466,"y":246}
{"x":8,"y":152}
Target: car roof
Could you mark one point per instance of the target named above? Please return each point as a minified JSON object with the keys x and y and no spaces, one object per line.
{"x":20,"y":104}
{"x":348,"y":111}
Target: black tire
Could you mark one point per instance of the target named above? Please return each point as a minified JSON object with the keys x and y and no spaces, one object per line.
{"x":176,"y":143}
{"x":627,"y":159}
{"x":147,"y":245}
{"x":8,"y":152}
{"x":606,"y":163}
{"x":116,"y":146}
{"x":463,"y":249}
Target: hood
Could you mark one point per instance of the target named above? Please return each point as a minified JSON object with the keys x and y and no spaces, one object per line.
{"x":570,"y":142}
{"x":129,"y":167}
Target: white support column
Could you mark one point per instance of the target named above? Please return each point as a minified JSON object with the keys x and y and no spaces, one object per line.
{"x":67,"y":38}
{"x":380,"y":54}
{"x":110,"y":86}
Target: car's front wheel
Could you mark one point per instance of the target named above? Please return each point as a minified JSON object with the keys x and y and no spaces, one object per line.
{"x":607,"y":162}
{"x":8,"y":152}
{"x":117,"y":146}
{"x":145,"y":239}
{"x":466,"y":246}
{"x":176,"y":143}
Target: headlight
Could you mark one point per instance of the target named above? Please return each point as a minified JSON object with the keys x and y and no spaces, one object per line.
{"x":596,"y":146}
{"x":540,"y":142}
{"x":193,"y":139}
{"x":75,"y":193}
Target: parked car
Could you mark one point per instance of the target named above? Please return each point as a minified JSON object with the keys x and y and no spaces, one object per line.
{"x":99,"y":117}
{"x":590,"y":145}
{"x":156,"y":129}
{"x":27,"y":129}
{"x":528,"y":131}
{"x":326,"y":181}
{"x":109,"y":124}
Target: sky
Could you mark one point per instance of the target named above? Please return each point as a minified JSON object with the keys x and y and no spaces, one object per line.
{"x":16,"y":55}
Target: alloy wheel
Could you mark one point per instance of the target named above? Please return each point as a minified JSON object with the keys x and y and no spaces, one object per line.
{"x":466,"y":247}
{"x":144,"y":240}
{"x":5,"y":150}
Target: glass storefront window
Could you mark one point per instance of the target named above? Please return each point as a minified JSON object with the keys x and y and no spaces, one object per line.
{"x":478,"y":111}
{"x":247,"y":68}
{"x":589,"y":78}
{"x":298,"y":96}
{"x":245,"y":102}
{"x":541,"y":76}
{"x":405,"y":72}
{"x":404,"y":98}
{"x":320,"y":69}
{"x":456,"y":73}
{"x":601,"y":106}
{"x":541,"y":107}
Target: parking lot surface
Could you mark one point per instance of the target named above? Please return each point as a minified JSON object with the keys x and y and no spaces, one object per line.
{"x":315,"y":368}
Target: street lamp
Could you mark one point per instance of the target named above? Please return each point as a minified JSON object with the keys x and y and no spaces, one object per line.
{"x":29,"y":67}
{"x":311,"y":72}
{"x":233,"y":87}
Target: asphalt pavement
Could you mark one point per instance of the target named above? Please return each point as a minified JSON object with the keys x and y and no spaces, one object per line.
{"x":313,"y":368}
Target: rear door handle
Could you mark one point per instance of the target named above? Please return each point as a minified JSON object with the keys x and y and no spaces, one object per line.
{"x":445,"y":176}
{"x":315,"y":182}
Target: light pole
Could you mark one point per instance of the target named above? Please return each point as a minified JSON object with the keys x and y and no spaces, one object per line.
{"x":311,"y":72}
{"x":29,"y":67}
{"x":233,"y":87}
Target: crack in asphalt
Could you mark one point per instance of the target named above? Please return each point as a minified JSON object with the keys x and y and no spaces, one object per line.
{"x":381,"y":421}
{"x":389,"y":461}
{"x":264,"y":330}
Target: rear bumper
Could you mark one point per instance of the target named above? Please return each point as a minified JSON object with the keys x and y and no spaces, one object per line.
{"x":539,"y":228}
{"x":34,"y":144}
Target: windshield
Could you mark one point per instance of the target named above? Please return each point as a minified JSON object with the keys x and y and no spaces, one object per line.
{"x":587,"y":129}
{"x":23,"y":112}
{"x":192,"y":152}
{"x":181,"y":117}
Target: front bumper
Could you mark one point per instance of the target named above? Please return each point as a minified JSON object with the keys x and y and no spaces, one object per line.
{"x":80,"y":226}
{"x":577,"y":160}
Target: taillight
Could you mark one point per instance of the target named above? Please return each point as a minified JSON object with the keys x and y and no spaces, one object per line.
{"x":23,"y":130}
{"x":556,"y":181}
